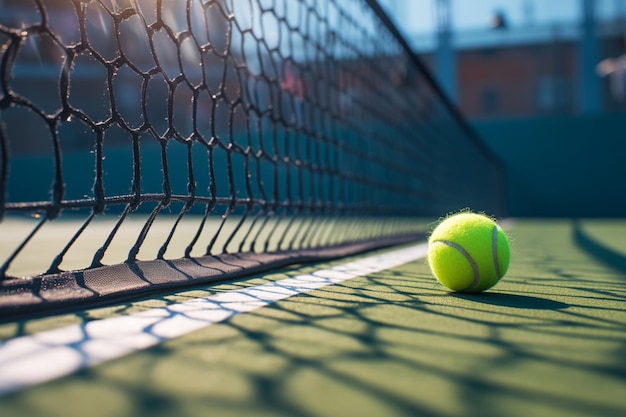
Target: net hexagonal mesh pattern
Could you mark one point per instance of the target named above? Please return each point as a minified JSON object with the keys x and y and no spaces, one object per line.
{"x":192,"y":131}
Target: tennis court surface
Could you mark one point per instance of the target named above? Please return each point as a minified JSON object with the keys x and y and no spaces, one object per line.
{"x":220,"y":207}
{"x":548,"y":340}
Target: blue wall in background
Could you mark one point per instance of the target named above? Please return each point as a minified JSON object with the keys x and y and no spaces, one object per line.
{"x":569,"y":166}
{"x":556,"y":167}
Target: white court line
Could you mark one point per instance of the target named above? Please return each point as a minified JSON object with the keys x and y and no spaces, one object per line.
{"x":44,"y":356}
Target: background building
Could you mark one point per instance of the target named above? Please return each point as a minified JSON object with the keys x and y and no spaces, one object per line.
{"x":526,"y":68}
{"x":543,"y":83}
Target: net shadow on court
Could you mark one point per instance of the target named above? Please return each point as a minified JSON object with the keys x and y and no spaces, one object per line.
{"x":392,"y":342}
{"x":601,"y":252}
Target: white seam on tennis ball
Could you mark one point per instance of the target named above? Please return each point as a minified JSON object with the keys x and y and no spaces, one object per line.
{"x":494,"y":243}
{"x":469,"y":258}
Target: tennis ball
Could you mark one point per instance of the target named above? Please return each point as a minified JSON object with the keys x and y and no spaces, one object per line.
{"x":468,"y":252}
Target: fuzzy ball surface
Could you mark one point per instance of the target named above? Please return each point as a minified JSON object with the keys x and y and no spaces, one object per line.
{"x":468,"y":252}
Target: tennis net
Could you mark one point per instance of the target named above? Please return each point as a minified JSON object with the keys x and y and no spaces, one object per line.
{"x":146,"y":144}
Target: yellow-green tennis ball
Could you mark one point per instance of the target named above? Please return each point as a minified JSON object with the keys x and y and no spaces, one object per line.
{"x":468,"y":252}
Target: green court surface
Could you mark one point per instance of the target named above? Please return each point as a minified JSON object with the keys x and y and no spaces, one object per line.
{"x":549,"y":340}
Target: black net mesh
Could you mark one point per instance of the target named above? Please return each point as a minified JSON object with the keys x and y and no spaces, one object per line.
{"x":185,"y":128}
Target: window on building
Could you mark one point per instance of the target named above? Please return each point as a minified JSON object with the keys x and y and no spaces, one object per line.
{"x":490,"y":101}
{"x":489,"y":52}
{"x":554,"y":94}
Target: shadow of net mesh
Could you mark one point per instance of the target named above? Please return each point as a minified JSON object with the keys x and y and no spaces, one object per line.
{"x":148,"y":144}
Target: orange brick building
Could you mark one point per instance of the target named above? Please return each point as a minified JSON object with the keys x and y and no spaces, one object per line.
{"x":529,"y":79}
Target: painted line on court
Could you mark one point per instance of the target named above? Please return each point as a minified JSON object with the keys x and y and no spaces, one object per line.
{"x":41,"y":357}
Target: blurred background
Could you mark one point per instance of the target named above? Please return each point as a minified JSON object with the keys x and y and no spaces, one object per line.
{"x":544,"y":84}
